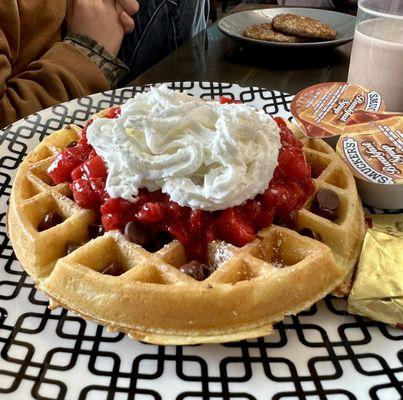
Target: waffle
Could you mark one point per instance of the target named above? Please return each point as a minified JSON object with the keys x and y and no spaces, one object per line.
{"x":279,"y":273}
{"x":345,"y":235}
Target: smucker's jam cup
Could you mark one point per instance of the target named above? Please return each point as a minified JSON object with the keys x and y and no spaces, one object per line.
{"x":322,"y":111}
{"x":372,"y":146}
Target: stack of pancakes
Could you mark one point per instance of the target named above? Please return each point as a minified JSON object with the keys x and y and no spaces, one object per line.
{"x":290,"y":28}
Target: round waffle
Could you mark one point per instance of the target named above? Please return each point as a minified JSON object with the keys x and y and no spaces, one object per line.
{"x":279,"y":273}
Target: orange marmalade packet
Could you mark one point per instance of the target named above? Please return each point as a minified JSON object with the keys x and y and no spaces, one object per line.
{"x":323,"y":110}
{"x":372,"y":145}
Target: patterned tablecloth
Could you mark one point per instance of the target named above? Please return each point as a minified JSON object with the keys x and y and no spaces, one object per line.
{"x":322,"y":353}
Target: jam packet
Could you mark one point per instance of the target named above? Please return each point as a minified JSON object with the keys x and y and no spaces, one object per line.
{"x":377,"y":291}
{"x":323,"y":110}
{"x":372,"y":146}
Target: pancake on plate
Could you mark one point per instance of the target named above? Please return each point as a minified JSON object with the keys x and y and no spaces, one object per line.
{"x":266,"y":32}
{"x":302,"y":26}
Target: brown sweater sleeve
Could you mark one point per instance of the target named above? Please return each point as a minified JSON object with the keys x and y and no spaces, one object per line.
{"x":62,"y":73}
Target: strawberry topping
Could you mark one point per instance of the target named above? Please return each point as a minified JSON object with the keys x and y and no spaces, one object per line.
{"x":287,"y":192}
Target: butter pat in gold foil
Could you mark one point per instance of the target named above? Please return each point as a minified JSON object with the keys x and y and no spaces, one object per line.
{"x":377,"y":291}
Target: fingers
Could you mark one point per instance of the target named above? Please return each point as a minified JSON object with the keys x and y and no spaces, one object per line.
{"x":127,"y":22}
{"x":126,"y":8}
{"x":130,"y":6}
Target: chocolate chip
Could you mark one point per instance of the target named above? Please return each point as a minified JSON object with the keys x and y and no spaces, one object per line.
{"x":310,"y":233}
{"x":72,"y":246}
{"x":158,"y":242}
{"x":95,"y":230}
{"x":137,"y":233}
{"x":197,"y":270}
{"x":163,"y":238}
{"x":49,"y":221}
{"x":72,"y":144}
{"x":325,"y":204}
{"x":114,"y":269}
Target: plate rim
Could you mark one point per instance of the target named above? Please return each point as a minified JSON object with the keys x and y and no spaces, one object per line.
{"x":147,"y":85}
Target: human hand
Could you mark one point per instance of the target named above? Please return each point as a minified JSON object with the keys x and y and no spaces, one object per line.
{"x":126,"y":9}
{"x":105,"y":21}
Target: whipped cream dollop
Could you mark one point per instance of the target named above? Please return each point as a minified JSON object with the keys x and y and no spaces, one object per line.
{"x":203,"y":154}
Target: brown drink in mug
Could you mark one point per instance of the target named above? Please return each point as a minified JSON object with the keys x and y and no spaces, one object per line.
{"x":377,"y":54}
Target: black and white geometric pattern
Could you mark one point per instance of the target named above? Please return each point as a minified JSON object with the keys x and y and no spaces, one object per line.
{"x":323,"y":353}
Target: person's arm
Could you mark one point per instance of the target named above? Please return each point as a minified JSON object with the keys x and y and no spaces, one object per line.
{"x":113,"y":68}
{"x":64,"y":72}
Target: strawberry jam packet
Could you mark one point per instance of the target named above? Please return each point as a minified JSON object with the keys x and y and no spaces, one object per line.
{"x":377,"y":291}
{"x":323,"y":110}
{"x":372,"y":146}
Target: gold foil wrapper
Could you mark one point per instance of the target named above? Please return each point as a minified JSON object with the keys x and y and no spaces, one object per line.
{"x":377,"y":292}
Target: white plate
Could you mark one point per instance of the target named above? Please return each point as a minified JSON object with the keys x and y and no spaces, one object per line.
{"x":323,"y":353}
{"x":233,"y":25}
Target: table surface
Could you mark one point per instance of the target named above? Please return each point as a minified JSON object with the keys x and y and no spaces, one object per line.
{"x":211,"y":56}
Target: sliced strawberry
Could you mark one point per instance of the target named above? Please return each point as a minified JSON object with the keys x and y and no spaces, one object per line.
{"x":84,"y":131}
{"x":151,"y":213}
{"x":270,"y":196}
{"x":292,"y":166}
{"x":83,"y":139}
{"x":228,"y":100}
{"x":112,"y":221}
{"x":69,"y":159}
{"x":177,"y":212}
{"x":296,"y":198}
{"x":287,"y":197}
{"x":60,"y":170}
{"x":280,"y":122}
{"x":83,"y":193}
{"x":178,"y":231}
{"x":92,"y":154}
{"x":112,"y":206}
{"x":252,"y":210}
{"x":113,"y":112}
{"x":209,"y":233}
{"x":139,"y":201}
{"x":98,"y":186}
{"x":94,"y":168}
{"x":77,"y":173}
{"x":196,"y":250}
{"x":196,"y":221}
{"x":63,"y":165}
{"x":234,"y":229}
{"x":287,"y":137}
{"x":265,"y":218}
